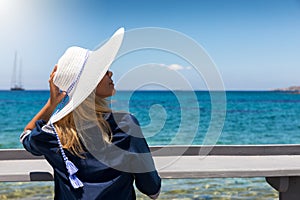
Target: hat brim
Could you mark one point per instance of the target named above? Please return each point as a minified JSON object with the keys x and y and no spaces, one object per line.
{"x":95,"y":68}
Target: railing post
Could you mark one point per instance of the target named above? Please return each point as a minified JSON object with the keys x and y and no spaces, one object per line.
{"x":288,"y":187}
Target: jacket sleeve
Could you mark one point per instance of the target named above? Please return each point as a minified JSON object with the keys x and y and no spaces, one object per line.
{"x":39,"y":142}
{"x":147,"y":179}
{"x":148,"y":183}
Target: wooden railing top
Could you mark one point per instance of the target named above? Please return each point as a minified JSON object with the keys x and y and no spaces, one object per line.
{"x":193,"y":150}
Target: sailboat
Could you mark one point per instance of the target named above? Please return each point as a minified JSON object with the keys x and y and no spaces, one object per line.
{"x":16,"y":81}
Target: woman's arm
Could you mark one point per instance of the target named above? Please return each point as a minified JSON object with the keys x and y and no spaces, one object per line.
{"x":55,"y":97}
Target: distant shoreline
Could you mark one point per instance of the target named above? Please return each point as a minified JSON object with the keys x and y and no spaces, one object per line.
{"x":47,"y":90}
{"x":291,"y":89}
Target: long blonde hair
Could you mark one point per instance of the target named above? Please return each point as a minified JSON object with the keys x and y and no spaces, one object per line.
{"x":91,"y":110}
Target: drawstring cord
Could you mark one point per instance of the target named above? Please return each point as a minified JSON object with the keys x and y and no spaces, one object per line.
{"x":71,"y":168}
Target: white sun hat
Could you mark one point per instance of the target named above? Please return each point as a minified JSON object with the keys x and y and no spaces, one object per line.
{"x":80,"y":70}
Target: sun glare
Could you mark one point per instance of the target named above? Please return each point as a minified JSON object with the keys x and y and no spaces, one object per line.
{"x":9,"y":11}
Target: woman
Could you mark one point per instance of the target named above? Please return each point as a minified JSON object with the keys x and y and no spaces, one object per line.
{"x":95,"y":153}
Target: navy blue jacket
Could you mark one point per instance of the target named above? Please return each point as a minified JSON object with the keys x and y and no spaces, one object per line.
{"x":101,"y":179}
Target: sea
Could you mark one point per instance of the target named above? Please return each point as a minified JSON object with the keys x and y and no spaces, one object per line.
{"x":176,"y":118}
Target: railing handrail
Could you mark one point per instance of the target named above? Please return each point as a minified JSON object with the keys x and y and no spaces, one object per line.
{"x":184,"y":150}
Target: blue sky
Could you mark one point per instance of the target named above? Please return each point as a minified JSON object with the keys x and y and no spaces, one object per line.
{"x":255,"y":44}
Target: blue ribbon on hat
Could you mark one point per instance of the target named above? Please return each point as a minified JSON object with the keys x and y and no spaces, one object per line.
{"x":71,"y":168}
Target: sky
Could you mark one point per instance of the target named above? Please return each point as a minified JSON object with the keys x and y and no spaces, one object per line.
{"x":254,"y":44}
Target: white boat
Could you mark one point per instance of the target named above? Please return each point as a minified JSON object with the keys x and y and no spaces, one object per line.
{"x":16,"y":81}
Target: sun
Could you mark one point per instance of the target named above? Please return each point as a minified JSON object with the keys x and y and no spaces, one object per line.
{"x":9,"y":11}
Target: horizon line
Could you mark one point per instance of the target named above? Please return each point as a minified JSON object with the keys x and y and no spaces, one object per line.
{"x":157,"y":90}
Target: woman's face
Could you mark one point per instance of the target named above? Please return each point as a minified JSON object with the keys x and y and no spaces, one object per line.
{"x":106,"y":87}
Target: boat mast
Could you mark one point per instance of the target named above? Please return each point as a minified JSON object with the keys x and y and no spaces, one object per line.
{"x":20,"y":75}
{"x":16,"y":81}
{"x":14,"y":75}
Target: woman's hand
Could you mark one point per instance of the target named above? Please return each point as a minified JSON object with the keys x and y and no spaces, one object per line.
{"x":55,"y":94}
{"x":55,"y":97}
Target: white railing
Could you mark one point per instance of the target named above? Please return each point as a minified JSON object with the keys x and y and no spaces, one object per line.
{"x":279,"y":164}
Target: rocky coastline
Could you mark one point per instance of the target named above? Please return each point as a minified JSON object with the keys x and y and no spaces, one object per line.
{"x":291,"y":89}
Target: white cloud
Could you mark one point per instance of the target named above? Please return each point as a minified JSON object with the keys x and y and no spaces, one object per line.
{"x":176,"y":67}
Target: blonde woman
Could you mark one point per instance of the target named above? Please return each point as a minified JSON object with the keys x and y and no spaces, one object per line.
{"x":95,"y":153}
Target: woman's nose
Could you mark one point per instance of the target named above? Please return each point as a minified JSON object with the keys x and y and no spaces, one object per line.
{"x":109,"y":73}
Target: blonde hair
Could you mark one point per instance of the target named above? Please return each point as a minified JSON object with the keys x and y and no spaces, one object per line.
{"x":90,"y":110}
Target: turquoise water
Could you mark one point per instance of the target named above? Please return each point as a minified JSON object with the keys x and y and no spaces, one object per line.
{"x":178,"y":118}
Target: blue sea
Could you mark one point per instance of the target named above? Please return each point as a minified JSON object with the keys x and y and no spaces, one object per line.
{"x":178,"y":117}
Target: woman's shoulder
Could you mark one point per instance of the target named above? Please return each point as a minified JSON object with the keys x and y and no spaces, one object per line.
{"x":124,"y":117}
{"x":126,"y":123}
